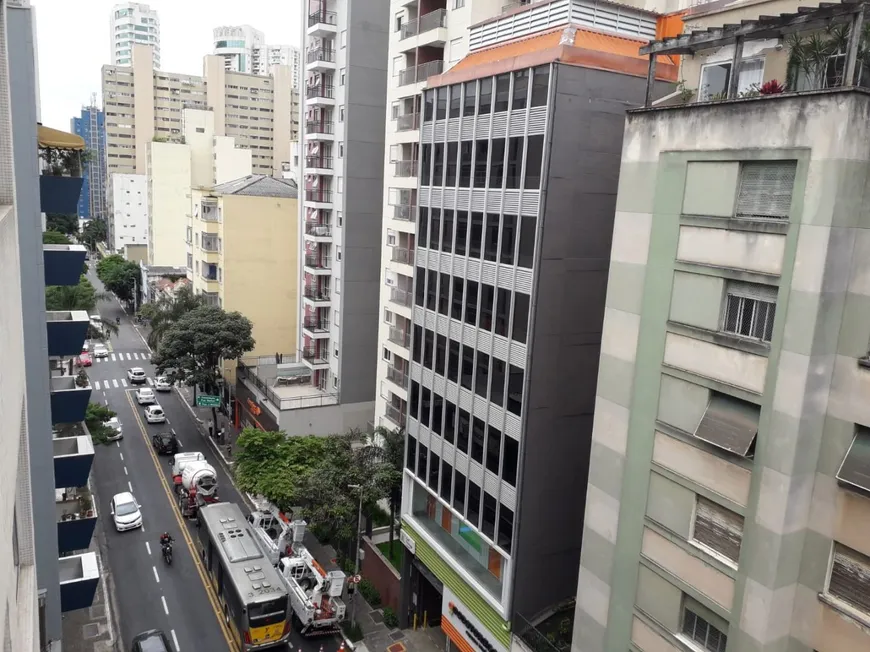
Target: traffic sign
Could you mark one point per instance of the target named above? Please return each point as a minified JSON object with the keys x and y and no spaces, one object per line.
{"x":208,"y":401}
{"x":356,"y":579}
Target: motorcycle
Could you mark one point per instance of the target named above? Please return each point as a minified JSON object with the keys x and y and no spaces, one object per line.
{"x":118,"y":321}
{"x":167,"y":552}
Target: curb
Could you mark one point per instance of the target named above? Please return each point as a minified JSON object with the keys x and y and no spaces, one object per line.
{"x":108,"y":584}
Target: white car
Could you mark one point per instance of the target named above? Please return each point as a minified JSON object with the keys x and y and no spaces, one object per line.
{"x":86,"y":346}
{"x":145,"y":396}
{"x":136,"y":376}
{"x":126,"y":512}
{"x":100,"y":351}
{"x":115,"y":425}
{"x":154,"y":414}
{"x":162,"y":384}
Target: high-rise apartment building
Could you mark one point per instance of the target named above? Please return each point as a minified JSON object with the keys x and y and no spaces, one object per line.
{"x":729,"y":487}
{"x":133,"y":23}
{"x":91,"y":127}
{"x":495,"y":276}
{"x":128,"y":223}
{"x":244,"y":49}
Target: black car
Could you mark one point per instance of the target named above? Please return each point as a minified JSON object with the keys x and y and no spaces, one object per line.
{"x":165,"y":443}
{"x":151,"y":641}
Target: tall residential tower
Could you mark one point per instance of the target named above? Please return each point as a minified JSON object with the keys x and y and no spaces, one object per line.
{"x":244,"y":49}
{"x":132,"y":23}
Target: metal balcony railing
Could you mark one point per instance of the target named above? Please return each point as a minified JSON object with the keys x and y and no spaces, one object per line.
{"x":399,"y":336}
{"x":313,"y":354}
{"x":322,"y":16}
{"x":320,"y":90}
{"x":403,"y":255}
{"x":404,"y":212}
{"x":396,"y":415}
{"x":316,"y":324}
{"x":321,"y":54}
{"x":405,"y":168}
{"x":424,"y":23}
{"x":318,"y":262}
{"x":322,"y":196}
{"x":420,"y":73}
{"x":322,"y":127}
{"x":323,"y":162}
{"x":318,"y":230}
{"x":401,"y":297}
{"x":408,"y":122}
{"x":315,"y":293}
{"x":397,"y":376}
{"x":209,"y":242}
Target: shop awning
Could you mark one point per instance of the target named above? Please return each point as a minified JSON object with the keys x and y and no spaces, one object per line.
{"x":56,"y":139}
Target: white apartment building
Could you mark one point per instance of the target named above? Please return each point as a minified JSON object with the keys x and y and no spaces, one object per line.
{"x":425,"y":40}
{"x":244,"y":49}
{"x":132,"y":23}
{"x":129,"y":199}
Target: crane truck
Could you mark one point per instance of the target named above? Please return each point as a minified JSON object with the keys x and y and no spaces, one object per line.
{"x":195,"y":482}
{"x":273,"y":528}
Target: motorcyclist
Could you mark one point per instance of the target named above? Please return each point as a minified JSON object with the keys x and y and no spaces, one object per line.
{"x":166,"y":538}
{"x":118,"y":320}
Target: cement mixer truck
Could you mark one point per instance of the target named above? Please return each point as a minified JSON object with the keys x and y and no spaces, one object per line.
{"x":198,"y":487}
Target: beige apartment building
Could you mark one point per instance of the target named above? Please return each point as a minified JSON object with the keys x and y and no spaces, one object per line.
{"x":244,"y":252}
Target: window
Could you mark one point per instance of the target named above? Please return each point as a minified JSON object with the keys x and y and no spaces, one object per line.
{"x":481,"y":149}
{"x":417,"y":353}
{"x":718,"y":528}
{"x":467,"y":372}
{"x":498,"y":382}
{"x":456,"y":303}
{"x":475,"y":243}
{"x":540,"y":84}
{"x":515,"y":390}
{"x":502,"y":92}
{"x":437,"y":165}
{"x":446,"y":481}
{"x":485,"y":102}
{"x":514,"y":162}
{"x":444,"y":295}
{"x":420,"y":288}
{"x":455,"y":100}
{"x":487,"y":299}
{"x":453,"y":361}
{"x":463,"y":431}
{"x":496,"y":168}
{"x":526,"y":253}
{"x":449,"y":421}
{"x":465,"y":150}
{"x":508,"y":238}
{"x":481,"y":380}
{"x":437,"y":413}
{"x":428,"y":106}
{"x":428,"y":348}
{"x":473,"y":516}
{"x":469,"y":98}
{"x":447,"y":231}
{"x":714,"y":81}
{"x":441,"y":103}
{"x":425,"y":409}
{"x":342,"y":39}
{"x":502,"y":311}
{"x":434,"y":464}
{"x":854,"y":472}
{"x":521,"y":89}
{"x":415,"y":399}
{"x":459,"y":247}
{"x":452,"y":150}
{"x":422,"y":456}
{"x":505,"y":528}
{"x":431,"y":290}
{"x":341,"y":114}
{"x":471,"y":302}
{"x":435,"y":228}
{"x":534,"y":159}
{"x":459,"y":492}
{"x":399,"y":20}
{"x":700,"y":631}
{"x":488,"y":522}
{"x":423,"y":228}
{"x":509,"y":461}
{"x":766,"y":189}
{"x":387,"y":355}
{"x":490,"y":240}
{"x":478,"y":430}
{"x":850,"y":577}
{"x":730,"y":424}
{"x":750,"y":310}
{"x":425,"y":165}
{"x":342,"y":77}
{"x":493,"y":449}
{"x":521,"y":317}
{"x":340,"y":150}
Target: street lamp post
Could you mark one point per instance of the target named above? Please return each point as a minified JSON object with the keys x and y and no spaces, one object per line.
{"x":359,"y":488}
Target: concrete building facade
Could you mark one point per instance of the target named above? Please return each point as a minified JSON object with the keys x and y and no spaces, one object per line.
{"x":128,"y":225}
{"x":728,"y":506}
{"x":91,"y":126}
{"x":244,"y":49}
{"x":133,"y":23}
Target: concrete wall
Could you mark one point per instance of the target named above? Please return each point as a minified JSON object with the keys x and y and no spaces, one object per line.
{"x":230,"y":161}
{"x":327,"y":420}
{"x":168,"y":203}
{"x":143,"y":104}
{"x":381,"y":574}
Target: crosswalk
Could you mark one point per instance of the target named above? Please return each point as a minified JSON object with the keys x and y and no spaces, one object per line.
{"x":123,"y":357}
{"x":119,"y":383}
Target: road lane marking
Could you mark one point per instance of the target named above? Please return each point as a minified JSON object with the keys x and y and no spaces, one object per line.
{"x":209,"y":590}
{"x":165,"y":608}
{"x":122,"y":456}
{"x":113,"y":357}
{"x":151,"y":382}
{"x":128,"y":357}
{"x":148,"y":546}
{"x":156,"y":576}
{"x":118,"y":444}
{"x":123,"y":383}
{"x":96,"y":384}
{"x":175,"y":640}
{"x":130,"y":484}
{"x":125,"y":471}
{"x":115,"y":383}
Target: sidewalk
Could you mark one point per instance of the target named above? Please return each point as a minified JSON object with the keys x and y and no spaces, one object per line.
{"x":226,"y":447}
{"x":377,"y":637}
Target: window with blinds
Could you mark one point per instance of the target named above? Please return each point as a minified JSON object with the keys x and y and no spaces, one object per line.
{"x":702,"y":632}
{"x":750,"y":310}
{"x":718,"y":528}
{"x":850,"y":577}
{"x":766,"y":189}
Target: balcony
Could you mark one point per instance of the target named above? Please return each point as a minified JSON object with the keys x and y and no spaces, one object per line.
{"x":398,"y":377}
{"x":69,"y":402}
{"x":403,"y":256}
{"x":210,"y":212}
{"x":318,"y":231}
{"x":401,"y":297}
{"x":316,"y":357}
{"x":285,"y":385}
{"x":316,"y":325}
{"x":322,"y":23}
{"x":318,"y":162}
{"x":320,"y":94}
{"x":67,"y":332}
{"x":399,"y":336}
{"x":405,"y":168}
{"x":317,"y":262}
{"x":316,"y":295}
{"x":319,"y":197}
{"x":405,"y":212}
{"x":396,"y":415}
{"x":73,"y":456}
{"x":320,"y":129}
{"x":320,"y":59}
{"x":420,"y":73}
{"x":408,"y":122}
{"x":429,"y":28}
{"x":79,"y":576}
{"x":210,"y":283}
{"x":63,"y":263}
{"x":76,"y":519}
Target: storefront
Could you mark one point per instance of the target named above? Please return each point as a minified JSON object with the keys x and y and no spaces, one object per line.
{"x":249,"y":412}
{"x":465,"y":632}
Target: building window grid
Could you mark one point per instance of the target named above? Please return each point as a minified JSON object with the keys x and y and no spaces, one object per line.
{"x":703,"y":633}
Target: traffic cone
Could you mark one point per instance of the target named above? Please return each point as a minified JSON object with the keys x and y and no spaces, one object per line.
{"x":341,"y":649}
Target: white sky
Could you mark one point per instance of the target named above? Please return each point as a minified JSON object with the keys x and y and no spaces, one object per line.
{"x":73,"y":42}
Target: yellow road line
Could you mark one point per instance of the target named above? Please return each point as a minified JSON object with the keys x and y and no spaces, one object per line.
{"x":212,"y":597}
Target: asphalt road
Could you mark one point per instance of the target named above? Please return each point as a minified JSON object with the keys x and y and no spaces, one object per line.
{"x":150,"y":594}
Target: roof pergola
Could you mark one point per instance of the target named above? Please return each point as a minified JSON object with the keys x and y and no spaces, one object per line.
{"x":764,"y":27}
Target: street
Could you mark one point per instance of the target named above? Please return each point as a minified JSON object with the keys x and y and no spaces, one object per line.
{"x":150,"y":594}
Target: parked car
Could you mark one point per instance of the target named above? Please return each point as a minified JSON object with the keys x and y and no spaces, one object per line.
{"x":126,"y":512}
{"x":151,"y":641}
{"x":84,"y":360}
{"x":162,"y":384}
{"x":101,"y":351}
{"x":136,"y":376}
{"x":115,"y":424}
{"x":165,"y":443}
{"x":145,"y":396}
{"x":154,"y":414}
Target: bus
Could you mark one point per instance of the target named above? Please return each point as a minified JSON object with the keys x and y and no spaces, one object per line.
{"x":252,"y":595}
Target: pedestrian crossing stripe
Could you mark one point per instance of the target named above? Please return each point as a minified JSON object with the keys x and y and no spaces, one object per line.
{"x":108,"y":384}
{"x":119,"y":357}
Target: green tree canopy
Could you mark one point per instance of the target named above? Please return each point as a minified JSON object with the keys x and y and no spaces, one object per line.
{"x":55,"y":238}
{"x":66,"y":224}
{"x":93,"y":232}
{"x":120,"y":276}
{"x":72,"y":297}
{"x":167,"y":310}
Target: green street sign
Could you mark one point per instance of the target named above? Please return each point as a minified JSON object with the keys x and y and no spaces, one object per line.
{"x":208,"y":401}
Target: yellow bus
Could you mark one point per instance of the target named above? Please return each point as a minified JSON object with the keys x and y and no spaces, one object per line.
{"x":252,"y":595}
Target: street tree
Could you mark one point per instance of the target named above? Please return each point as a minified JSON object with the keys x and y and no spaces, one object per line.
{"x":51,"y":237}
{"x":66,"y":224}
{"x":193,"y":348}
{"x":121,"y":277}
{"x":167,"y":310}
{"x":385,"y":454}
{"x":62,"y":298}
{"x":93,"y":232}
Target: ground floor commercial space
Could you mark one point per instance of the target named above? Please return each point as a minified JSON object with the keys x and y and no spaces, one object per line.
{"x":248,"y":412}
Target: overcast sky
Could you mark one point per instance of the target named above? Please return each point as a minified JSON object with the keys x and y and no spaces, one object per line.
{"x":73,"y":42}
